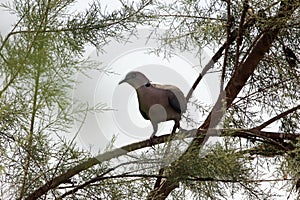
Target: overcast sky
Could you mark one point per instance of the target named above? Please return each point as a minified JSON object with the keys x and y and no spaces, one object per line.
{"x":125,"y":121}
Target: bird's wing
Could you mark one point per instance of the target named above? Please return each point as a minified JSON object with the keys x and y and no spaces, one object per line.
{"x":173,"y":101}
{"x":175,"y":96}
{"x":180,"y":101}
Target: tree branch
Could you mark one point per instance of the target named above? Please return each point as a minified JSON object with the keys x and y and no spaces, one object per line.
{"x":230,"y":21}
{"x":270,"y":121}
{"x":217,"y":56}
{"x":146,"y":143}
{"x":186,"y":16}
{"x":194,"y":179}
{"x":241,"y":29}
{"x":89,"y":163}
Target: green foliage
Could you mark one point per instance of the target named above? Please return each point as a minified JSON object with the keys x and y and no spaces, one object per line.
{"x":216,"y":171}
{"x":40,"y":58}
{"x":41,"y":55}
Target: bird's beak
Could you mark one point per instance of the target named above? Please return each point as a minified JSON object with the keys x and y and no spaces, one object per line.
{"x":122,"y":81}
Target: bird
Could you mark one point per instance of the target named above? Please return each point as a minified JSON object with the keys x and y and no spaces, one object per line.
{"x":157,"y":103}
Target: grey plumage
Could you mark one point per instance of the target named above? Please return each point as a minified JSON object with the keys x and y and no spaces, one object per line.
{"x":157,"y":103}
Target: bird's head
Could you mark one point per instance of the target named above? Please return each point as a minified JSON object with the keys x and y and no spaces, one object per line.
{"x":135,"y":79}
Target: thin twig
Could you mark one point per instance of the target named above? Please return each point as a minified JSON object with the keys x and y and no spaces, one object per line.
{"x":281,"y":115}
{"x":239,"y":37}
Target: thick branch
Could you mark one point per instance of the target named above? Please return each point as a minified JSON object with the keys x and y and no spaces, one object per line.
{"x":89,"y":163}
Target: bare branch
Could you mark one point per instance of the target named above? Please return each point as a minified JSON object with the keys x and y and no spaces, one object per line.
{"x":274,"y":119}
{"x":239,"y":37}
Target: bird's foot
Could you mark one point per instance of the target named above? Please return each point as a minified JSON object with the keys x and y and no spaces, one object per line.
{"x":152,"y":138}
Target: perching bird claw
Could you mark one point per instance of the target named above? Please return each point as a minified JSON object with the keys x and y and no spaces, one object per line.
{"x":152,"y":142}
